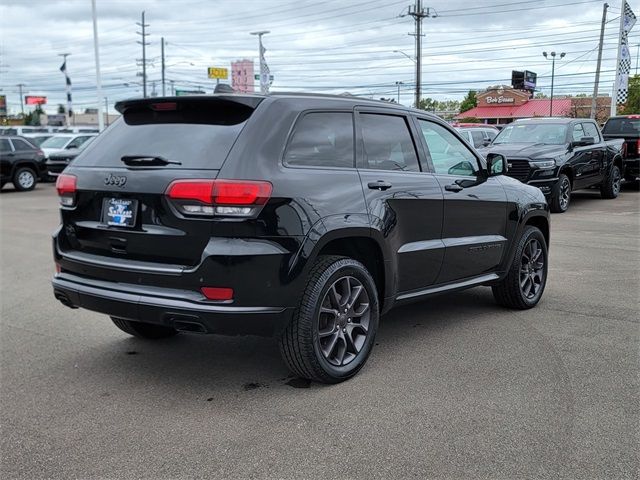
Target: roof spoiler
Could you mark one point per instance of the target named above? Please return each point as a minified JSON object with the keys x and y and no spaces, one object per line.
{"x":250,"y":101}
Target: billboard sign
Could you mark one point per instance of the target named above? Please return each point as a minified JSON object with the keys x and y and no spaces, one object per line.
{"x":218,"y":73}
{"x":34,"y":100}
{"x":3,"y":105}
{"x":530,"y":80}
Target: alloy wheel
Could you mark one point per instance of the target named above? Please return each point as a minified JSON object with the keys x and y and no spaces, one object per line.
{"x":617,"y":180}
{"x":532,"y":269}
{"x":26,"y":179}
{"x":343,"y":322}
{"x":565,"y":193}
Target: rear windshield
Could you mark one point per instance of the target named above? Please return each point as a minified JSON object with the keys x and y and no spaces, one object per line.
{"x":622,"y":126}
{"x":197,"y":137}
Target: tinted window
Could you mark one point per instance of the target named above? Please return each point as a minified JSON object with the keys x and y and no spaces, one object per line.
{"x":323,"y":139}
{"x":577,"y":132}
{"x":622,"y":126}
{"x":387,"y":143}
{"x":491,"y":134}
{"x":199,"y":135}
{"x":22,"y":145}
{"x":477,"y":137}
{"x":4,"y":145}
{"x":448,"y":154}
{"x":590,"y":130}
{"x":77,"y":142}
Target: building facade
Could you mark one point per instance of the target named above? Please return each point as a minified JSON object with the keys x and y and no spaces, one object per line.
{"x":242,"y":76}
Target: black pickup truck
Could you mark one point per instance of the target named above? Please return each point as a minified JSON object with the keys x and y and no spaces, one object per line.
{"x":627,"y":128}
{"x":560,"y":155}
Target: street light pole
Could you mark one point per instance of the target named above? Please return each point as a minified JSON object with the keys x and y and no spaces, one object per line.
{"x":97,"y":55}
{"x":20,"y":85}
{"x":398,"y":85}
{"x":264,"y":71}
{"x":553,"y":73}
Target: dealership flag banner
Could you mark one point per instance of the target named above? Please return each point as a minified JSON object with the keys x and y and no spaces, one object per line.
{"x":63,"y":69}
{"x":627,"y":22}
{"x":264,"y":70}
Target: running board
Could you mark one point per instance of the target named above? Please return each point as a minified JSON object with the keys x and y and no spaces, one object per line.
{"x":451,"y":286}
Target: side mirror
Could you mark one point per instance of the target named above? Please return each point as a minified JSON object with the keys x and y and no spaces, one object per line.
{"x":496,"y":164}
{"x":584,"y":141}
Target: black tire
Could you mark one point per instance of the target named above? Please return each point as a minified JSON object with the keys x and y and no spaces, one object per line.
{"x":325,"y":344}
{"x":2,"y":184}
{"x":511,"y":292}
{"x":147,"y":331}
{"x":610,"y":186}
{"x":561,"y":196}
{"x":25,"y":179}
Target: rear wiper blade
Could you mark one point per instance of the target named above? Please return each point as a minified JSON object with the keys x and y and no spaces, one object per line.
{"x":146,"y":161}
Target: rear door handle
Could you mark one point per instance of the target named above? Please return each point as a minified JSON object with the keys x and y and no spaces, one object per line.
{"x":454,"y":187}
{"x":379,"y":185}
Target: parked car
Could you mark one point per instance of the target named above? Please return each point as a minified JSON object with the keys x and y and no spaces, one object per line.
{"x":37,"y":138}
{"x":626,"y":127}
{"x":22,"y":130}
{"x":61,"y":142}
{"x":57,"y":162}
{"x":295,"y":215}
{"x":560,"y":155}
{"x":477,"y":134}
{"x":21,"y":162}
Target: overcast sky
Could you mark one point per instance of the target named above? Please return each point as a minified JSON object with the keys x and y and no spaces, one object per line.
{"x":328,"y":46}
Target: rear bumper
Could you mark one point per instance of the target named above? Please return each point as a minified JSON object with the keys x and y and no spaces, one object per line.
{"x":169,"y":307}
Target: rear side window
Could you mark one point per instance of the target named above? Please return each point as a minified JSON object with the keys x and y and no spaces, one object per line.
{"x":197,"y":135}
{"x":590,"y":130}
{"x":4,"y":145}
{"x":322,"y":139}
{"x":387,"y":143}
{"x":477,"y":137}
{"x":22,"y":145}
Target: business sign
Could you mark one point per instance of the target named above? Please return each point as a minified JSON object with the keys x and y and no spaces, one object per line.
{"x":257,"y":77}
{"x":183,"y":93}
{"x":34,"y":100}
{"x":530,"y":80}
{"x":57,"y":120}
{"x":218,"y":73}
{"x":3,"y":105}
{"x":500,"y":99}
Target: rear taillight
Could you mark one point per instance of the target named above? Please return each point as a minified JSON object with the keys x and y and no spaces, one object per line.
{"x":66,"y":186}
{"x":225,"y":198}
{"x":638,"y":147}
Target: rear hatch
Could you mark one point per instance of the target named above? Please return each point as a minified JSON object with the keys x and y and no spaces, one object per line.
{"x":120,"y":209}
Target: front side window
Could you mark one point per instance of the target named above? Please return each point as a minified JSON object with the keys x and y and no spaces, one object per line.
{"x":387,"y":143}
{"x":578,"y":132}
{"x":448,"y":154}
{"x":322,"y":139}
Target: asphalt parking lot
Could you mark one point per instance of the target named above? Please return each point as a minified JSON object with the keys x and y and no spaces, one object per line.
{"x":456,"y":387}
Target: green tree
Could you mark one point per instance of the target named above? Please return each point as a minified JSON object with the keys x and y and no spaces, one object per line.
{"x":61,"y":108}
{"x":469,"y":102}
{"x":633,"y":100}
{"x":540,"y":95}
{"x":33,"y":118}
{"x":428,"y":104}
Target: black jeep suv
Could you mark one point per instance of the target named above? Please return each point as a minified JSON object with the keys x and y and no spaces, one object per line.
{"x":300,"y":216}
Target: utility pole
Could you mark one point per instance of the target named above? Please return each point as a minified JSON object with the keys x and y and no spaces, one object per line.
{"x":106,"y":110}
{"x":594,"y":100}
{"x":264,"y":69}
{"x":20,"y":85}
{"x":418,"y":13}
{"x":97,"y":54}
{"x":164,"y":93}
{"x":173,"y":87}
{"x":143,"y":35}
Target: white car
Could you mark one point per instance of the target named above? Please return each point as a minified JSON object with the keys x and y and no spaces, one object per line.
{"x":61,"y":142}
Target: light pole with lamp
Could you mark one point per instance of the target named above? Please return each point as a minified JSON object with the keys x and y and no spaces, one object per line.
{"x":553,"y":72}
{"x":398,"y":85}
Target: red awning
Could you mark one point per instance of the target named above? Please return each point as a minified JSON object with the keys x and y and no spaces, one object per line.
{"x":533,"y":108}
